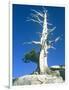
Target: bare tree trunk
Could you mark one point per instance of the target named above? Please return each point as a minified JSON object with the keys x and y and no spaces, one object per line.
{"x":43,"y":41}
{"x":43,"y":53}
{"x":43,"y":62}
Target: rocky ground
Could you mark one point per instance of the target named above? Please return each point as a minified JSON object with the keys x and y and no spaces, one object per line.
{"x":55,"y":75}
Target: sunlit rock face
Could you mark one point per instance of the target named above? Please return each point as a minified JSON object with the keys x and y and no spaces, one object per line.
{"x":37,"y":79}
{"x":53,"y":76}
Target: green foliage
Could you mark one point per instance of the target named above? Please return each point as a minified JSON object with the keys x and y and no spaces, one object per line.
{"x":31,"y":56}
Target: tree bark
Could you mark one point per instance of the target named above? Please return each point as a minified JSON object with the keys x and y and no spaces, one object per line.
{"x":43,"y":53}
{"x":43,"y":62}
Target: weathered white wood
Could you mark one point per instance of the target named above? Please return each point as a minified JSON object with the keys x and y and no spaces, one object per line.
{"x":43,"y":53}
{"x":44,"y":42}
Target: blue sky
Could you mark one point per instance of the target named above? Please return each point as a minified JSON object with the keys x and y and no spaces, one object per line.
{"x":24,"y":31}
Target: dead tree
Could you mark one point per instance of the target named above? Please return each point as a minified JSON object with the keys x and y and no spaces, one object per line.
{"x":41,"y":18}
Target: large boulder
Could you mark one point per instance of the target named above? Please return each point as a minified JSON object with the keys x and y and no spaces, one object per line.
{"x":54,"y":74}
{"x":37,"y":79}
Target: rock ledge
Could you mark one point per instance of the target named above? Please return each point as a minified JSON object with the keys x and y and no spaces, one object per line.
{"x":37,"y":79}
